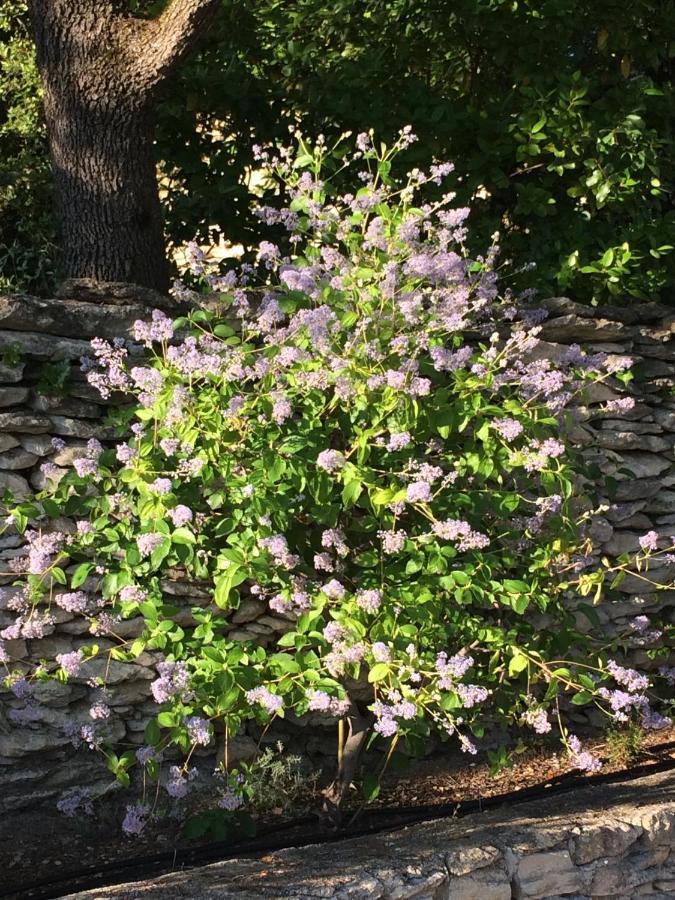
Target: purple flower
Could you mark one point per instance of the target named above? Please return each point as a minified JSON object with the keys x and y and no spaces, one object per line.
{"x":180,"y":515}
{"x":333,"y":589}
{"x":509,"y":429}
{"x":398,"y":440}
{"x":169,"y":446}
{"x":74,"y":602}
{"x":159,"y":329}
{"x":161,"y":486}
{"x":262,"y":695}
{"x":623,"y":404}
{"x":148,"y":543}
{"x":70,"y":662}
{"x":173,"y":679}
{"x":199,"y":730}
{"x":369,"y":600}
{"x":177,"y":785}
{"x":418,"y":492}
{"x":330,"y":460}
{"x":471,"y":694}
{"x":629,"y":678}
{"x":381,"y":652}
{"x":335,"y":539}
{"x":582,"y":759}
{"x":537,"y":719}
{"x":649,"y":541}
{"x":392,"y":541}
{"x":230,"y":800}
{"x":99,"y":710}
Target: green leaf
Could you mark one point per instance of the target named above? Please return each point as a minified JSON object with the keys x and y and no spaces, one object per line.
{"x":80,"y":575}
{"x":152,"y":732}
{"x":378,"y":672}
{"x":183,"y":536}
{"x":582,"y":698}
{"x":226,"y":582}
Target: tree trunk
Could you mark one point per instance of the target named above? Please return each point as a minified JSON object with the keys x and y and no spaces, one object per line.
{"x":101,"y":70}
{"x":104,"y":173}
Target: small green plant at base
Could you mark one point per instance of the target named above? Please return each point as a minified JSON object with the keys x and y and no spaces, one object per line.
{"x":624,"y":744}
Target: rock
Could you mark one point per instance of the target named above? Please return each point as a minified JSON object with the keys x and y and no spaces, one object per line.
{"x":547,"y":874}
{"x":92,"y":312}
{"x":249,"y":609}
{"x":39,"y":444}
{"x":465,"y":860}
{"x":25,"y":423}
{"x":611,"y":838}
{"x":39,"y":480}
{"x":66,"y":406}
{"x":491,"y":883}
{"x":21,"y":741}
{"x":11,"y":374}
{"x":277,"y":624}
{"x":240,"y":748}
{"x":637,"y":427}
{"x":70,"y":453}
{"x":17,"y":458}
{"x":67,"y":427}
{"x":571,"y":328}
{"x":13,"y":396}
{"x":16,"y":484}
{"x":638,"y":489}
{"x":653,"y":368}
{"x":645,"y":465}
{"x":7,"y":441}
{"x":113,"y":293}
{"x":663,"y":502}
{"x":658,"y":825}
{"x":629,"y":440}
{"x":43,"y":347}
{"x":618,"y":512}
{"x":665,"y":418}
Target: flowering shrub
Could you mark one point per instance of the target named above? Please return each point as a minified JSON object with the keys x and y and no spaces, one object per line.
{"x":363,"y":439}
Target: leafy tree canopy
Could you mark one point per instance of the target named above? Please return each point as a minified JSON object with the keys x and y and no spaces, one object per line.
{"x":557,"y":113}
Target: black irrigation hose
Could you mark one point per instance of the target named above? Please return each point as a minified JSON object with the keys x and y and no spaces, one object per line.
{"x":163,"y":863}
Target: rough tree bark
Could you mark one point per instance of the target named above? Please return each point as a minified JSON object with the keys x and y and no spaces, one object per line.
{"x":101,"y":70}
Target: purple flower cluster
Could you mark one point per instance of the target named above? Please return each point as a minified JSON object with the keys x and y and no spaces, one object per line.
{"x":272,"y":703}
{"x":199,"y":730}
{"x":580,"y":758}
{"x":320,"y":701}
{"x":330,"y":460}
{"x":277,"y":547}
{"x":462,"y":533}
{"x":173,"y":680}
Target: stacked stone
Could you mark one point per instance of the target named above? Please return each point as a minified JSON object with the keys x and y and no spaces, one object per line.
{"x":635,"y":448}
{"x":41,"y":345}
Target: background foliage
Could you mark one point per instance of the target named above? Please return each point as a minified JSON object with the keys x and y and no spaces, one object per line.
{"x":557,"y":113}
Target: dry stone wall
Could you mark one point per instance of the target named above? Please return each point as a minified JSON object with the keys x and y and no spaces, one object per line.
{"x":608,"y":842}
{"x":41,"y":341}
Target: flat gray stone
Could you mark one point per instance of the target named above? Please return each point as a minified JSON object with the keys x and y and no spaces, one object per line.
{"x":39,"y":444}
{"x":17,"y":458}
{"x":16,"y":484}
{"x":25,"y":423}
{"x":13,"y":396}
{"x":7,"y":441}
{"x":43,"y":347}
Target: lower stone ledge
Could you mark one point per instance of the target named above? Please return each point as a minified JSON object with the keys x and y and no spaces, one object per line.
{"x":611,"y":841}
